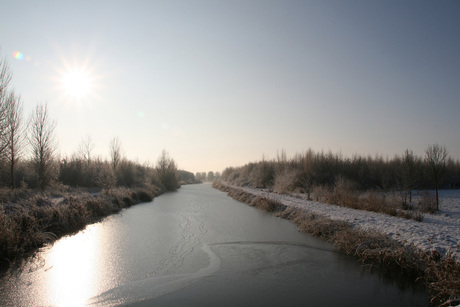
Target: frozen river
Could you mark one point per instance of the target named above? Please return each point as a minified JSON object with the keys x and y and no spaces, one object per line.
{"x":198,"y":247}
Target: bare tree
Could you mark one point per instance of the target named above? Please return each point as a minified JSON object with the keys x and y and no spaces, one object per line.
{"x":43,"y":145}
{"x":281,"y":159}
{"x":5,"y":75}
{"x":86,"y":149}
{"x":307,"y":173}
{"x":115,"y":152}
{"x":409,"y":168}
{"x":436,"y":158}
{"x":5,"y":78}
{"x":15,"y":133}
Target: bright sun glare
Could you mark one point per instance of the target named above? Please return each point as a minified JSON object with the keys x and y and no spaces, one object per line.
{"x":77,"y":83}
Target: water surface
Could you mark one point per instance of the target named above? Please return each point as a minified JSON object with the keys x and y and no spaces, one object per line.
{"x":198,"y":247}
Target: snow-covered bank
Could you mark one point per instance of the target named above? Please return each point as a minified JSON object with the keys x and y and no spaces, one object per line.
{"x":437,"y":232}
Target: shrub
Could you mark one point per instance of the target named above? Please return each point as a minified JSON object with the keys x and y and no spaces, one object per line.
{"x":263,"y":175}
{"x":166,"y":172}
{"x":13,"y":196}
{"x":241,"y":195}
{"x":97,"y":207}
{"x":286,"y":181}
{"x":373,"y":201}
{"x":143,"y":195}
{"x":105,"y":178}
{"x":266,"y":204}
{"x":320,"y":226}
{"x":344,"y":194}
{"x":322,"y":193}
{"x":427,"y":203}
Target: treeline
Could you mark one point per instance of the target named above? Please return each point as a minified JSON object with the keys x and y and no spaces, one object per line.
{"x":86,"y":171}
{"x":209,"y":176}
{"x":28,"y":156}
{"x":310,"y":169}
{"x":105,"y":174}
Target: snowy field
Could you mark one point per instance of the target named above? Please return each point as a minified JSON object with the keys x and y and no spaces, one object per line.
{"x":439,"y":232}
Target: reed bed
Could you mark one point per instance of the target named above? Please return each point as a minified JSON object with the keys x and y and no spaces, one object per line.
{"x":33,"y":220}
{"x":345,"y":195}
{"x":441,"y":276}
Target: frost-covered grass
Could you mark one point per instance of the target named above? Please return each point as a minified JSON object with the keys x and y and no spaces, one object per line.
{"x":429,"y":248}
{"x":343,"y":194}
{"x":33,"y":219}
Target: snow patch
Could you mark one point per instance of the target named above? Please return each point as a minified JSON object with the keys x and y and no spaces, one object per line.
{"x":438,"y":232}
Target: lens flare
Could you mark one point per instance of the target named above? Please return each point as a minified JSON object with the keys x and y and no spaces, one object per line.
{"x":18,"y":55}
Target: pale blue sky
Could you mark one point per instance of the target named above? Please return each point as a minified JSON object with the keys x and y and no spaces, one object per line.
{"x":221,"y":83}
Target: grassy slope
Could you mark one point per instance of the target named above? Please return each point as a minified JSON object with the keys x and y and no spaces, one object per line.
{"x":29,"y":221}
{"x":440,"y":275}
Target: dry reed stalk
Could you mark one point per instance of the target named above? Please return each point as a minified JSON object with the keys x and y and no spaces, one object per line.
{"x":441,"y":275}
{"x":37,"y":219}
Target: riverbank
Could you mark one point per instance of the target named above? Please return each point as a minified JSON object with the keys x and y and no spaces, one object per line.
{"x":28,"y":220}
{"x":428,"y":249}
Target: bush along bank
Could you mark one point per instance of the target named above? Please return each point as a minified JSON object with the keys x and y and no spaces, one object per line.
{"x":30,"y":223}
{"x":440,"y":274}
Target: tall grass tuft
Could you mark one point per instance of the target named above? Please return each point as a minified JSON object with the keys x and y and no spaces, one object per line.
{"x":344,"y":194}
{"x":370,"y":247}
{"x":38,"y":219}
{"x":427,"y":203}
{"x":267,"y":204}
{"x":443,"y":278}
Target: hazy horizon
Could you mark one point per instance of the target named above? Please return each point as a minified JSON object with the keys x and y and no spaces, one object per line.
{"x":223,"y":83}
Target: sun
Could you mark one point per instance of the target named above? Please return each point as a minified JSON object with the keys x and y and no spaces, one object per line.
{"x":77,"y":83}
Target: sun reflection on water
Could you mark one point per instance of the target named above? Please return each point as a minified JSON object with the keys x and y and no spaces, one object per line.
{"x":72,"y":277}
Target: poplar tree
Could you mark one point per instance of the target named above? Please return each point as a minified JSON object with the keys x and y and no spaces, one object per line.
{"x":15,"y":134}
{"x":42,"y":142}
{"x":436,"y":158}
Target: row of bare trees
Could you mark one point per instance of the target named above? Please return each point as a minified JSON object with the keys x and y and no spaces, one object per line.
{"x":28,"y":153}
{"x":307,"y":170}
{"x":15,"y":135}
{"x":83,"y":170}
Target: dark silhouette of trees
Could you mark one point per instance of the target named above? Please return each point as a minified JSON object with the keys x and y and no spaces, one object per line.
{"x":5,"y":79}
{"x":15,"y":134}
{"x":308,"y":170}
{"x":11,"y":122}
{"x":436,"y":158}
{"x":409,"y":170}
{"x":186,"y":177}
